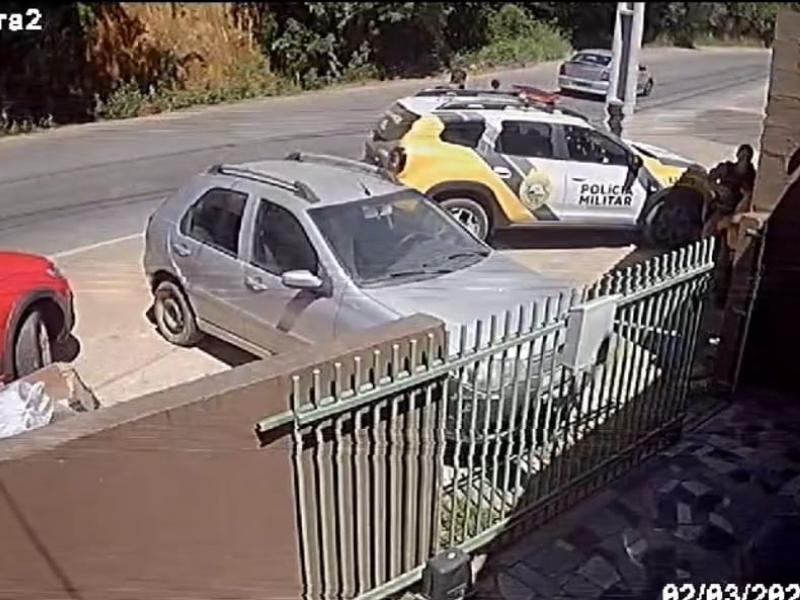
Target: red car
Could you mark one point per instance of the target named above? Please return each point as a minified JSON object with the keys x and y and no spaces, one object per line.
{"x":36,"y":311}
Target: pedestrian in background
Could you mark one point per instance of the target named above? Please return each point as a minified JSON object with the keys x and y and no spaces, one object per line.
{"x":458,"y":78}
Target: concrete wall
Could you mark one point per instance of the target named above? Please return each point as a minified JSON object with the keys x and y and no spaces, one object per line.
{"x":170,"y":495}
{"x":775,"y":205}
{"x":781,"y":134}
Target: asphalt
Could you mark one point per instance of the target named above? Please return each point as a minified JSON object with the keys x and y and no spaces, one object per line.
{"x":79,"y":185}
{"x":82,"y":194}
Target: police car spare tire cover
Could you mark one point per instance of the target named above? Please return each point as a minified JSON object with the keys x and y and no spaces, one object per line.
{"x":535,"y":190}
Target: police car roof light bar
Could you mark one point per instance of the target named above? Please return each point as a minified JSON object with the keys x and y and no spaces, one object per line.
{"x":536,"y":94}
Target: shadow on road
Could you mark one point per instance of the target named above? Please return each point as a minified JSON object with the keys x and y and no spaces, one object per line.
{"x":222,"y":351}
{"x":225,"y":352}
{"x":522,"y":239}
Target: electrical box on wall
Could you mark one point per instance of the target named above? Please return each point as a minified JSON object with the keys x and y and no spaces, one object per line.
{"x":589,"y":326}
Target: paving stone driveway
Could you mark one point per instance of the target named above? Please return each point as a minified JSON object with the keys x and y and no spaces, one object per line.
{"x":719,"y":507}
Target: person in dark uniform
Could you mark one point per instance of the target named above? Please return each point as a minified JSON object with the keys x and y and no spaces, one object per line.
{"x":734,"y":182}
{"x":458,"y":78}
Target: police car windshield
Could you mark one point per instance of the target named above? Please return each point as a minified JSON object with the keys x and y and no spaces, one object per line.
{"x":396,"y":238}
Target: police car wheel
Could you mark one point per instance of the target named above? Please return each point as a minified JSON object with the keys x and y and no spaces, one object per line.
{"x":470,"y":214}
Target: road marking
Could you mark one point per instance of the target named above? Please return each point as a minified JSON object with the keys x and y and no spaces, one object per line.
{"x":90,"y":247}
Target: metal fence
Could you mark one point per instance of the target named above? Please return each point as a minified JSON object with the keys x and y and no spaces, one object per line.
{"x":401,"y":454}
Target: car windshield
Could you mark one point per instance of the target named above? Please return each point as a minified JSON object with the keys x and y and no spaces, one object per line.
{"x":396,"y":238}
{"x":592,"y":59}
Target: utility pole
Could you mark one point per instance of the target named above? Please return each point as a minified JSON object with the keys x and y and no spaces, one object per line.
{"x":624,"y":76}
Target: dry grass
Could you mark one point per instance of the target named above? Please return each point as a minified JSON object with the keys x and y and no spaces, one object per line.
{"x":199,"y":46}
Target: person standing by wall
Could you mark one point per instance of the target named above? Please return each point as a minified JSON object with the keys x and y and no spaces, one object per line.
{"x":734,"y":182}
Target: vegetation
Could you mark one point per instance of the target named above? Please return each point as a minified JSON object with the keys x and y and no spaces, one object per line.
{"x":514,"y":37}
{"x":107,"y":60}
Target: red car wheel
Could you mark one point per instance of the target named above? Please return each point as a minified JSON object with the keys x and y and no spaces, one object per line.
{"x":32,"y":348}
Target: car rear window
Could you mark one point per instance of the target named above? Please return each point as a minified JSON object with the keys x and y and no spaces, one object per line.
{"x":394,"y":124}
{"x":592,"y":59}
{"x":463,"y":133}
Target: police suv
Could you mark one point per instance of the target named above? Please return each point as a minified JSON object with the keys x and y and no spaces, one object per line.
{"x":499,"y":160}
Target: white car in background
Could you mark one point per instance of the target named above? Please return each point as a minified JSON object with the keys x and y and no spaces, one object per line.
{"x":589,"y":71}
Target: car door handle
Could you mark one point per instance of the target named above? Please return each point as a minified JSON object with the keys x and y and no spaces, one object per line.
{"x":502,"y":172}
{"x":255,"y":284}
{"x":181,"y":249}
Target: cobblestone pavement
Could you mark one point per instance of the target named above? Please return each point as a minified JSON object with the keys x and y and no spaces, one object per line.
{"x":719,"y":507}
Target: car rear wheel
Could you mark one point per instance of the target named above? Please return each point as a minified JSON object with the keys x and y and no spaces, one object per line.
{"x":174,"y":316}
{"x":470,"y":214}
{"x":32,"y":348}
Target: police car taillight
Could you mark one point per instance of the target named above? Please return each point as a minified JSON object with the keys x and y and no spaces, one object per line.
{"x":397,"y":161}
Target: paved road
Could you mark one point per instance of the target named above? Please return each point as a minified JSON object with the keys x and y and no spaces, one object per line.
{"x":84,"y":184}
{"x":82,"y":194}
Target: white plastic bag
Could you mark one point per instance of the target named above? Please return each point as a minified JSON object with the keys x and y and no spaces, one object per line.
{"x":24,"y":406}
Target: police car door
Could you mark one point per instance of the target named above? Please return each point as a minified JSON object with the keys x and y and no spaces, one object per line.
{"x":597,"y":170}
{"x":523,"y":155}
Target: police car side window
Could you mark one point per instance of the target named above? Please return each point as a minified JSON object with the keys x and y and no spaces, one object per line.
{"x":526,"y":138}
{"x":464,"y":133}
{"x":588,"y":145}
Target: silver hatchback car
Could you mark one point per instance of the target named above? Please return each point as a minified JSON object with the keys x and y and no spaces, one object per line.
{"x":273,"y":255}
{"x":588,"y":71}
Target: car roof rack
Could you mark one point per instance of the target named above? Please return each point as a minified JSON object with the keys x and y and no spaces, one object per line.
{"x":497,"y":105}
{"x":296,"y":187}
{"x":459,"y":93}
{"x":338,"y":161}
{"x":487,"y":104}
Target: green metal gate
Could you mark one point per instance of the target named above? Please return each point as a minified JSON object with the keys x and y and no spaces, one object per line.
{"x":399,"y":455}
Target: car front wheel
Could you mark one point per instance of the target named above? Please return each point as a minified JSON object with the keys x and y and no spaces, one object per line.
{"x":470,"y":214}
{"x":174,"y":316}
{"x":32,"y":348}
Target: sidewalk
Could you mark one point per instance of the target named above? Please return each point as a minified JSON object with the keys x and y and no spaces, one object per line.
{"x":720,"y":507}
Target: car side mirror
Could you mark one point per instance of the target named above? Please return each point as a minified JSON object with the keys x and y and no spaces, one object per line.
{"x":301,"y":279}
